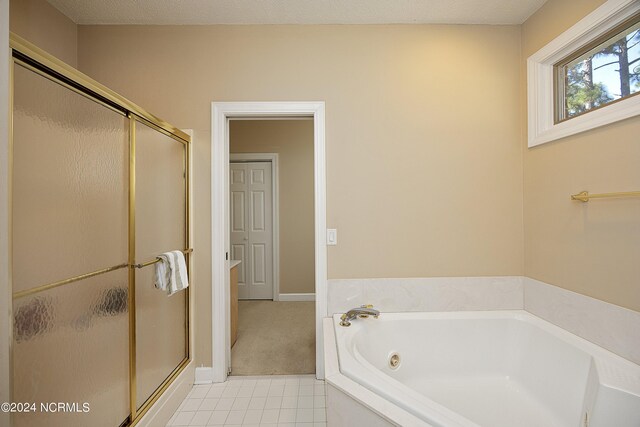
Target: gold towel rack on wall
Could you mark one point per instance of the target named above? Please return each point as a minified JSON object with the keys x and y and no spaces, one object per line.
{"x":145,"y":264}
{"x":584,"y":196}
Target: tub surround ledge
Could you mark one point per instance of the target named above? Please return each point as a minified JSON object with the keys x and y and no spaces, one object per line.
{"x":427,"y":294}
{"x":610,"y":326}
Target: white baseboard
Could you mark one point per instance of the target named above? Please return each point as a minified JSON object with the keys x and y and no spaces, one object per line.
{"x":204,"y":375}
{"x":161,"y":412}
{"x":297,"y":297}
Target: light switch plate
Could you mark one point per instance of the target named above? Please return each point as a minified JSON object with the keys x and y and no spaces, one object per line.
{"x":332,"y":237}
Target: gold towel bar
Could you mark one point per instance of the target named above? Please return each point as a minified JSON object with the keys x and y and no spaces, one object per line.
{"x":48,"y":286}
{"x":584,"y":196}
{"x":145,"y":264}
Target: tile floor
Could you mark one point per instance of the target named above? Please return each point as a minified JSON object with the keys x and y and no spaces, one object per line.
{"x":276,"y":400}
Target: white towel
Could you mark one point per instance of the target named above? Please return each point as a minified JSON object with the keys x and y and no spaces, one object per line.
{"x":171,"y":272}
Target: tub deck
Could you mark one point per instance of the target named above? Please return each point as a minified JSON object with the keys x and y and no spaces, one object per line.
{"x":475,"y":398}
{"x":470,"y":369}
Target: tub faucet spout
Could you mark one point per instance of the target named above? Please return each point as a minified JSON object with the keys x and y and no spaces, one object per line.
{"x":362,"y":312}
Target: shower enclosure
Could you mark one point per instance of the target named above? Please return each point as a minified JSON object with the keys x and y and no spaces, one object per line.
{"x":99,"y":188}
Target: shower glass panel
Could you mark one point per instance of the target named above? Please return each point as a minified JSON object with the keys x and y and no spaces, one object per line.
{"x":70,"y":180}
{"x":71,"y":344}
{"x":160,"y":226}
{"x":70,"y":218}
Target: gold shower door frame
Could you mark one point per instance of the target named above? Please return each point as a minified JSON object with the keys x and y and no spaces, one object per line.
{"x":30,"y":56}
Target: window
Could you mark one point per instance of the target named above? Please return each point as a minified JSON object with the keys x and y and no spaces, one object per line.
{"x":608,"y":71}
{"x":588,"y":76}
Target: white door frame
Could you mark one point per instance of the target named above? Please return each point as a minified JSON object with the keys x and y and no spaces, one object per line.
{"x":275,"y":202}
{"x":221,"y":112}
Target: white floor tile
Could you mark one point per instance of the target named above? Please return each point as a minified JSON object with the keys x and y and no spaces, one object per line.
{"x":214,"y":392}
{"x":208,"y":404}
{"x":289,"y":402}
{"x":320,"y":414}
{"x":273,"y":402}
{"x":241,"y":403}
{"x":305,"y":402}
{"x":245,"y":391}
{"x":183,"y":418}
{"x":291,"y":390}
{"x":261,"y":390}
{"x":287,"y":416}
{"x":218,"y":417}
{"x":319,"y":402}
{"x":192,"y":404}
{"x":306,"y":390}
{"x":224,"y":404}
{"x":276,"y":390}
{"x":253,"y":416}
{"x":270,"y":416}
{"x":235,"y":417}
{"x":201,"y":418}
{"x":304,"y":415}
{"x":199,"y":391}
{"x":257,"y":403}
{"x":231,"y":392}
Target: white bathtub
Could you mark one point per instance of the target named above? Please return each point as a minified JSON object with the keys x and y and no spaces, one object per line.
{"x":494,"y":369}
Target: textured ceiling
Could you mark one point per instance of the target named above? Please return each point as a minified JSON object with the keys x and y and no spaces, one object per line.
{"x":297,"y":11}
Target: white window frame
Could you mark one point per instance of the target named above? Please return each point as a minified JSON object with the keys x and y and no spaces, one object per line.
{"x":540,"y":77}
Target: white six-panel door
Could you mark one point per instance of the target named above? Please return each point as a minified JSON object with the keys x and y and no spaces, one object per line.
{"x":252,"y":228}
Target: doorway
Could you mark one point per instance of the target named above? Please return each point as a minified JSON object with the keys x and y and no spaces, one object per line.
{"x":222,"y":113}
{"x":272,"y":317}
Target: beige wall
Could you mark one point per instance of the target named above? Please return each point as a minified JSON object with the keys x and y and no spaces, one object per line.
{"x":293,"y":141}
{"x":42,"y":24}
{"x":424,"y":170}
{"x":591,"y":248}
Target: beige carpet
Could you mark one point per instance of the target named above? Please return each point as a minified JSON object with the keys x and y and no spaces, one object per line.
{"x":274,"y":338}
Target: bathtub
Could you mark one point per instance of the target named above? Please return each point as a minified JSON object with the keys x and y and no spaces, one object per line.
{"x":490,"y":368}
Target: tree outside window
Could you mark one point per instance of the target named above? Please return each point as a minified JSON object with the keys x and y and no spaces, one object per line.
{"x":607,"y":72}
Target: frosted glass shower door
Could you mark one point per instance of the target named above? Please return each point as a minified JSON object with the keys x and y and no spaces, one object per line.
{"x":70,"y":218}
{"x":160,"y":225}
